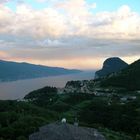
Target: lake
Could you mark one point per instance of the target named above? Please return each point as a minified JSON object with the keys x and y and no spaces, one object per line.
{"x":18,"y":89}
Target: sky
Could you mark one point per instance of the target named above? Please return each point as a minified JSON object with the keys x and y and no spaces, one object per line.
{"x":78,"y":34}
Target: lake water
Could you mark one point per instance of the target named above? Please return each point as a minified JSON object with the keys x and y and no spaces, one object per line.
{"x":18,"y":89}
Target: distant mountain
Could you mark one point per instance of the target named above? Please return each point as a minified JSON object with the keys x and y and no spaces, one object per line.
{"x":111,"y":65}
{"x":128,"y":78}
{"x":10,"y":71}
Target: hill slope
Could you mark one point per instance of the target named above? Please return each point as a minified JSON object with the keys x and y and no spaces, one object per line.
{"x":10,"y":71}
{"x":127,"y":78}
{"x":90,"y":110}
{"x":111,"y":65}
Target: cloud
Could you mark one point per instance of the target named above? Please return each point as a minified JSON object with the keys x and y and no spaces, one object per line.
{"x":61,"y":35}
{"x":89,"y":55}
{"x":53,"y":23}
{"x":4,"y":1}
{"x":3,"y":55}
{"x":41,"y":0}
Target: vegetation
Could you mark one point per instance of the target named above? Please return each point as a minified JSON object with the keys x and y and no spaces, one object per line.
{"x":94,"y":111}
{"x":128,"y":78}
{"x":112,"y":135}
{"x":116,"y":115}
{"x":75,"y":84}
{"x":110,"y":65}
{"x":19,"y":119}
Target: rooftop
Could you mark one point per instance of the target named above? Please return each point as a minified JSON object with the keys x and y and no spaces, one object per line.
{"x":65,"y":131}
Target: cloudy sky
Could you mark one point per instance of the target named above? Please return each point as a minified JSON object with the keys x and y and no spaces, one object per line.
{"x":69,"y":33}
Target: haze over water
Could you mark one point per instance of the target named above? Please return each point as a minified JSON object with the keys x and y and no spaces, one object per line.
{"x":18,"y":89}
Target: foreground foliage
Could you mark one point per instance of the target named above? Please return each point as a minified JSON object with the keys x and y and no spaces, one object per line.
{"x":18,"y":119}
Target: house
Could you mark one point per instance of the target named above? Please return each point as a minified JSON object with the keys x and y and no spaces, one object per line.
{"x":65,"y":131}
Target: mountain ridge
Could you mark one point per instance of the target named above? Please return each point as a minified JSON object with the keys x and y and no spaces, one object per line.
{"x":12,"y":71}
{"x":110,"y":65}
{"x":127,"y":78}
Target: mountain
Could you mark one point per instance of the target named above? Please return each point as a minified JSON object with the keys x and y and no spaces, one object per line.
{"x":128,"y":78}
{"x":101,"y":106}
{"x":10,"y":71}
{"x":111,"y":65}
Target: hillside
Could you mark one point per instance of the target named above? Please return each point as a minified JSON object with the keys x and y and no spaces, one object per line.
{"x":19,"y":119}
{"x":107,"y":110}
{"x":10,"y":71}
{"x":115,"y":114}
{"x":128,"y":78}
{"x":111,"y":65}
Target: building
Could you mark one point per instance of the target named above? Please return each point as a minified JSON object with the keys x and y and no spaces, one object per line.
{"x":65,"y":131}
